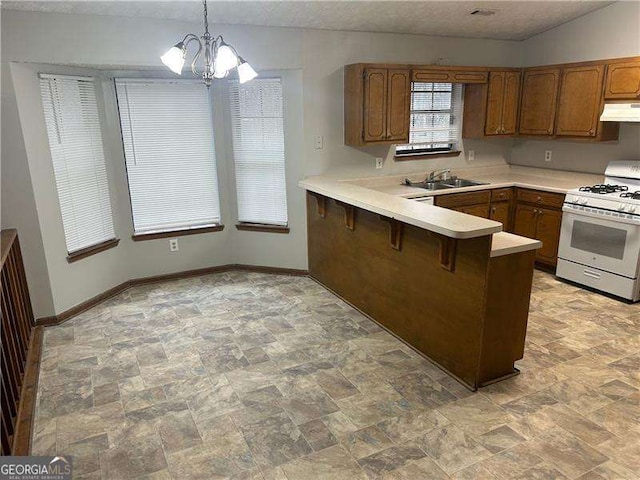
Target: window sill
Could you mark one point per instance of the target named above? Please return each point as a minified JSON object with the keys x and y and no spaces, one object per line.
{"x":259,"y":227}
{"x":92,"y":250}
{"x":140,"y":237}
{"x":424,"y":156}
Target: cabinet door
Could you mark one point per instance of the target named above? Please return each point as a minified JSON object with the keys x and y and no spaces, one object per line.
{"x":398,"y":105}
{"x":623,"y":81}
{"x":539,"y":97}
{"x":475,"y":210}
{"x":525,"y":221}
{"x":501,"y":212}
{"x":375,"y":105}
{"x":548,"y":232}
{"x":580,"y":100}
{"x":510,"y":102}
{"x":495,"y":97}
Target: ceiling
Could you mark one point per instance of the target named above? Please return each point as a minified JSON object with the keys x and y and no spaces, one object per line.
{"x":513,"y":20}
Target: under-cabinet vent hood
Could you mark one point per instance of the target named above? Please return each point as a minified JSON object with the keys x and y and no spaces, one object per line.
{"x":621,"y":112}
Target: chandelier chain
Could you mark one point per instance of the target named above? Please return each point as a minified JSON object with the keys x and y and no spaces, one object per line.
{"x":206,"y":20}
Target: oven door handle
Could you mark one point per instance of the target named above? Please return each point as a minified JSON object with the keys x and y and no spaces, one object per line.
{"x":631,"y":221}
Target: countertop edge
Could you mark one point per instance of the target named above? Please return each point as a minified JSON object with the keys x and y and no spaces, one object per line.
{"x":491,"y":228}
{"x":511,"y":244}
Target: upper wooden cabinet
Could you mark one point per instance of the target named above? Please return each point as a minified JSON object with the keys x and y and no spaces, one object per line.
{"x":449,"y":75}
{"x":377,"y":105}
{"x":491,"y":109}
{"x":623,"y":81}
{"x":502,"y":103}
{"x":539,"y":98}
{"x":580,"y":102}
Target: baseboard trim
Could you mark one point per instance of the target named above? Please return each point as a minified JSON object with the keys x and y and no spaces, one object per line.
{"x":26,"y":410}
{"x":112,"y":292}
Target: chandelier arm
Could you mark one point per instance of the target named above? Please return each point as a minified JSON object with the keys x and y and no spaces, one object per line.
{"x":194,"y":70}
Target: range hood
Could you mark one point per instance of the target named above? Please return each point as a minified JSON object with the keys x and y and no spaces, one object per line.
{"x":621,"y":112}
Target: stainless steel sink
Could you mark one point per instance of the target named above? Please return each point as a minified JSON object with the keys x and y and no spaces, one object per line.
{"x":461,"y":182}
{"x":435,"y":185}
{"x":443,"y":184}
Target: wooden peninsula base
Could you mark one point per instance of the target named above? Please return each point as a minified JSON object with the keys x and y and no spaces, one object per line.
{"x":461,"y":302}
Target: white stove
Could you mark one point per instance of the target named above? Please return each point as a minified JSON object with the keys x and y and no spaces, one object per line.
{"x":600,"y":235}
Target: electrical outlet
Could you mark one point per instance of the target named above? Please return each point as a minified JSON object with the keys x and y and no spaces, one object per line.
{"x":547,"y":156}
{"x":471,"y":155}
{"x":379,"y":162}
{"x":319,"y":142}
{"x":173,"y":244}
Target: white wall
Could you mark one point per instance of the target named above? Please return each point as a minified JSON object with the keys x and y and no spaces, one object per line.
{"x":610,"y":32}
{"x":313,"y":60}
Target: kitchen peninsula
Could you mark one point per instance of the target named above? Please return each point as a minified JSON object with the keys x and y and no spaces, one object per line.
{"x":454,"y":286}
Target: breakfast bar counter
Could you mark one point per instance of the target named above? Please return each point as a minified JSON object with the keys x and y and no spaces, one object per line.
{"x":453,"y":286}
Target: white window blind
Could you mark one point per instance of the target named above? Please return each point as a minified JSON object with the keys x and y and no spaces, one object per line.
{"x":73,"y":128}
{"x":258,"y":150}
{"x":167,"y":133}
{"x":435,"y":118}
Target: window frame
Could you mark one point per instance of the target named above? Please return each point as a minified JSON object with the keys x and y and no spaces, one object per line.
{"x":110,"y":241}
{"x":248,"y":225}
{"x":412,"y":151}
{"x":182,"y":231}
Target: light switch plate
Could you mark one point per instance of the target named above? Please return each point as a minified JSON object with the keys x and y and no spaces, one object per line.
{"x":319,"y":142}
{"x":471,"y":155}
{"x":379,"y":162}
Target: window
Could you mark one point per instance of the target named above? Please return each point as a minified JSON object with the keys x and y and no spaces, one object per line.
{"x":435,"y":118}
{"x":258,"y":151}
{"x":167,"y":134}
{"x":73,"y":128}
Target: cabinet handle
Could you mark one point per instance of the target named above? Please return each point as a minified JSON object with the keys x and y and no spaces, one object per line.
{"x":539,"y":199}
{"x":591,"y":132}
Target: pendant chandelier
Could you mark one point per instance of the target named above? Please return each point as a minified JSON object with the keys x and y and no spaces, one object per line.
{"x":219,"y":57}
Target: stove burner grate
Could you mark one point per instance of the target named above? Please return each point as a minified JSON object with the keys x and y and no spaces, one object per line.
{"x":631,"y":195}
{"x":604,"y":189}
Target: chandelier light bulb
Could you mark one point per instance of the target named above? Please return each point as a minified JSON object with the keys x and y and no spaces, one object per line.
{"x":225,"y":59}
{"x":174,"y":58}
{"x":245,"y":71}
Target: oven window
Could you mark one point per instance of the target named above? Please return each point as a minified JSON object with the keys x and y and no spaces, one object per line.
{"x":598,"y":239}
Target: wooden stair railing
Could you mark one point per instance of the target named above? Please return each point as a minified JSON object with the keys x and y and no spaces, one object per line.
{"x":20,"y":350}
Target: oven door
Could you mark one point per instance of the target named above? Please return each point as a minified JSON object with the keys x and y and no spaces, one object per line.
{"x":609,"y":245}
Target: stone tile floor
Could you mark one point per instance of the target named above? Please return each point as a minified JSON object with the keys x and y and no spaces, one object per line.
{"x":256,"y":376}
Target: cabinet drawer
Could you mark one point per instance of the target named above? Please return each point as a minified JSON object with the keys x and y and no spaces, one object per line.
{"x":462,"y":199}
{"x":449,"y":76}
{"x":547,"y":199}
{"x":501,"y":194}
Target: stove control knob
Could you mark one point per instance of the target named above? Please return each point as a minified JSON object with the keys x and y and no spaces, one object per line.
{"x":584,"y":201}
{"x":575,"y":199}
{"x":632,"y":208}
{"x":621,"y":207}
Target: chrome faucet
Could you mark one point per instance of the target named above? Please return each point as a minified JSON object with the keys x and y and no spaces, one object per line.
{"x":444,"y":174}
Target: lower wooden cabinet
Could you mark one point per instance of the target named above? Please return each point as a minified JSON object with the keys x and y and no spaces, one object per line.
{"x":481,"y":210}
{"x":536,"y":214}
{"x":541,"y":221}
{"x":501,"y":212}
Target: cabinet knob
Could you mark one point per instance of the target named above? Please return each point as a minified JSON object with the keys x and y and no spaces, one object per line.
{"x":539,"y":199}
{"x":592,"y":132}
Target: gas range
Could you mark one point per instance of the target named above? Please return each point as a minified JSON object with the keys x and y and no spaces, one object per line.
{"x":600,"y":233}
{"x":611,"y":200}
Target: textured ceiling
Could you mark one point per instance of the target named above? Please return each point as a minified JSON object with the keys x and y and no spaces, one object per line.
{"x":514,"y":20}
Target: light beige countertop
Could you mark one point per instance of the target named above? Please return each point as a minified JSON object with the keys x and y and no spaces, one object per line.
{"x":385,"y":195}
{"x":504,"y":243}
{"x":555,"y":181}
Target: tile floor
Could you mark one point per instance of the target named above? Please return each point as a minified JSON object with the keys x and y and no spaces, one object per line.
{"x":255,"y":376}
